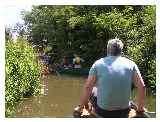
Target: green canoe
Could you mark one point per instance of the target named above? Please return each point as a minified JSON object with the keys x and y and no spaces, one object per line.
{"x":73,"y":71}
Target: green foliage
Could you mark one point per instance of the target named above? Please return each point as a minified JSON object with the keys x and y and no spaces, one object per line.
{"x":85,"y":30}
{"x":22,"y":73}
{"x":143,"y":49}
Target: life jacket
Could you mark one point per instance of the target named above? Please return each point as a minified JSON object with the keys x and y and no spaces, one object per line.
{"x":77,"y":60}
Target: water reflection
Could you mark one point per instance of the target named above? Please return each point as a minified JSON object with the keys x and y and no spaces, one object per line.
{"x":59,"y":96}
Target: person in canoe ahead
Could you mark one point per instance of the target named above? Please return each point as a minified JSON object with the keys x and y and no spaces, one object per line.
{"x":113,"y":76}
{"x":77,"y":61}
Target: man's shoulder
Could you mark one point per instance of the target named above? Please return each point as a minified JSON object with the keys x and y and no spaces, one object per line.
{"x":99,"y":61}
{"x":127,"y":60}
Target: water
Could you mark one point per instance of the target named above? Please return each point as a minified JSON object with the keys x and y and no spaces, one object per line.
{"x":60,"y":94}
{"x":150,"y":100}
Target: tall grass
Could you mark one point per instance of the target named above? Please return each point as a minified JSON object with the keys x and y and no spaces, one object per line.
{"x":22,"y":73}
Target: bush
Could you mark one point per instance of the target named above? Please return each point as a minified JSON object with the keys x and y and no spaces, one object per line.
{"x":22,"y":73}
{"x":143,"y":48}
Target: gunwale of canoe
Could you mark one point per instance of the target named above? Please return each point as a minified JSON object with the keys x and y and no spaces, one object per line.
{"x":132,"y":114}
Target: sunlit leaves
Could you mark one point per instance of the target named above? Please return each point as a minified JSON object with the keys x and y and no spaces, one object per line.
{"x":22,"y":73}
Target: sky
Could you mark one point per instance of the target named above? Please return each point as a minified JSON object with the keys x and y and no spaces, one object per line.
{"x":12,"y":13}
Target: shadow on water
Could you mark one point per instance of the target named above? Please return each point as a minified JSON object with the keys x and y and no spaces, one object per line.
{"x":59,"y":95}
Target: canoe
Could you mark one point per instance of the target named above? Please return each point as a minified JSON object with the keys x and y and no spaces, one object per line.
{"x":73,"y":71}
{"x":132,"y":114}
{"x":86,"y":113}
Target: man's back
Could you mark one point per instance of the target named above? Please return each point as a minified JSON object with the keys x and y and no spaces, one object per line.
{"x":113,"y":75}
{"x":114,"y":79}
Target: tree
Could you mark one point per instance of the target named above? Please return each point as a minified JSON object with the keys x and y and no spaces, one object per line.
{"x":8,"y":34}
{"x":85,"y":30}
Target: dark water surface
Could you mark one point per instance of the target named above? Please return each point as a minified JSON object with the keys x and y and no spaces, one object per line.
{"x":60,"y":94}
